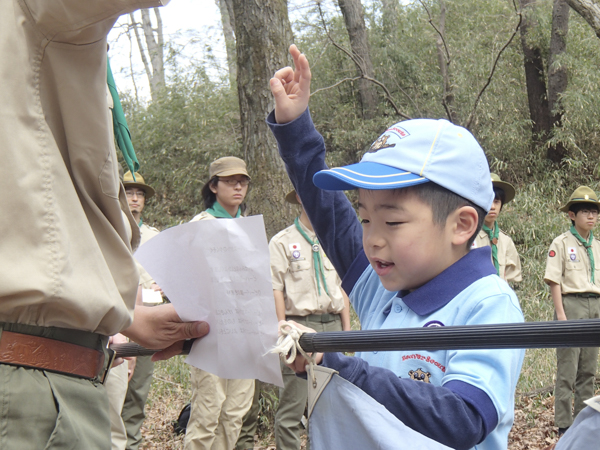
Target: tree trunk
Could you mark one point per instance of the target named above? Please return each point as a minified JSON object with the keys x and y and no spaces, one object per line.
{"x":154,"y":60}
{"x":263,"y":35}
{"x":590,"y":11}
{"x":557,"y":73}
{"x":352,"y":11}
{"x":389,"y":13}
{"x":228,"y":25}
{"x":444,"y":62}
{"x":535,"y":80}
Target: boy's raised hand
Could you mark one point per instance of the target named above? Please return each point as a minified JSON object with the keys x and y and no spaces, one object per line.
{"x":291,"y":88}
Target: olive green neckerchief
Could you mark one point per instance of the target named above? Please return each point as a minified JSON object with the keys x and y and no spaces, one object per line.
{"x":493,"y":235}
{"x":216,"y":210}
{"x":318,"y":262}
{"x":588,"y":246}
{"x":122,"y":134}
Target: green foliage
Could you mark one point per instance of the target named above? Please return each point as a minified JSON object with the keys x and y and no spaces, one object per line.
{"x":194,"y":121}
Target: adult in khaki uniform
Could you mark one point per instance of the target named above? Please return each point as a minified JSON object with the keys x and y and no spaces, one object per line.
{"x":69,"y":280}
{"x":219,"y":404}
{"x":137,"y":389}
{"x":307,"y":290}
{"x":504,"y":253}
{"x":573,"y":274}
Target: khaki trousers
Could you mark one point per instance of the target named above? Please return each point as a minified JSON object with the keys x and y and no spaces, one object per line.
{"x":576,"y":367}
{"x":294,"y":395}
{"x":116,"y":387}
{"x":137,"y":393}
{"x":43,"y":410}
{"x":250,"y":423}
{"x":218,"y":408}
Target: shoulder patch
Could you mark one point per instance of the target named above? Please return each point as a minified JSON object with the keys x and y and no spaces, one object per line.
{"x":552,"y":254}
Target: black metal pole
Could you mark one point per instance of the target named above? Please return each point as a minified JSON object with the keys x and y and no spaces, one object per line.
{"x":568,"y":333}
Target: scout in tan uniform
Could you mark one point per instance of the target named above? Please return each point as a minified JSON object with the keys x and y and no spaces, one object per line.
{"x":307,"y":290}
{"x":138,"y":192}
{"x":573,"y":274}
{"x":68,"y":278}
{"x":219,"y":404}
{"x":504,"y":253}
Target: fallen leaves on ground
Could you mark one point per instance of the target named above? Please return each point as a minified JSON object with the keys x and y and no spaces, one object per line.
{"x":533,"y":428}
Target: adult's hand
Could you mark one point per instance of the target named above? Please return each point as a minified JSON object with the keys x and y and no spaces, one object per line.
{"x":159,"y":327}
{"x":291,"y":88}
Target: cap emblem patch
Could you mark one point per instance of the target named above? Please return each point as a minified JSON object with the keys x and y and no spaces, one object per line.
{"x":380,"y":144}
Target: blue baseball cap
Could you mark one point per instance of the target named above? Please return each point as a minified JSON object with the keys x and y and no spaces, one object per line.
{"x":414,"y":152}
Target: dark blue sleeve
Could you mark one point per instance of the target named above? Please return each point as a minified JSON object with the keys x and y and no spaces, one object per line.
{"x":303,"y":151}
{"x":459,"y":416}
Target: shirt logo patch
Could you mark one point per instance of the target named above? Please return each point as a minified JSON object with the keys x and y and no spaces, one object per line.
{"x":295,"y":254}
{"x":474,"y":244}
{"x":573,"y":256}
{"x":552,"y":254}
{"x":433,"y":324}
{"x":419,"y":375}
{"x":294,"y":247}
{"x":572,"y":250}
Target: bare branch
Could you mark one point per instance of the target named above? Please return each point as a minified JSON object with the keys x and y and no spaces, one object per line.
{"x":353,"y":57}
{"x":494,"y":65}
{"x":440,"y":34}
{"x":335,"y":85}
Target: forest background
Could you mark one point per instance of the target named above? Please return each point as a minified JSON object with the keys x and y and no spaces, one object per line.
{"x":521,"y":75}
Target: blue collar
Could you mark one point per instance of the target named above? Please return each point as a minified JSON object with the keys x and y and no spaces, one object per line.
{"x":438,"y":292}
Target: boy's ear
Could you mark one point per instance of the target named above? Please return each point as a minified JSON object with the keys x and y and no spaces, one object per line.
{"x":465,"y":225}
{"x":572,"y":215}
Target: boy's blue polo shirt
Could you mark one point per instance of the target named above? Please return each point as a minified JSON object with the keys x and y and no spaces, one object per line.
{"x":467,"y":293}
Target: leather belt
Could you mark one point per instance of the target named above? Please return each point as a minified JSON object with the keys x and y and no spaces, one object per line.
{"x":323,"y":318}
{"x":49,"y":354}
{"x":584,"y":295}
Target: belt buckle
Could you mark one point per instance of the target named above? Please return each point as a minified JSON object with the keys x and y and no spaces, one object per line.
{"x":106,"y":370}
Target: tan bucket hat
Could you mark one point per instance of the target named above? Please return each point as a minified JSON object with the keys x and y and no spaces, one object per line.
{"x":509,"y":189}
{"x":226,"y":166}
{"x":291,"y":198}
{"x":582,"y":194}
{"x":138,"y":183}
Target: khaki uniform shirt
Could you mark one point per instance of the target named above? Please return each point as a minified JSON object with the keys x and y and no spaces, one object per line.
{"x":293,"y":273}
{"x":568,"y":265}
{"x":203,"y":216}
{"x":61,"y":198}
{"x":509,"y":263}
{"x":147,"y":233}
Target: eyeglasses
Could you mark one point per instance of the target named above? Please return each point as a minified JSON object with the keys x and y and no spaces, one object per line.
{"x":587,"y":212}
{"x":131,"y":194}
{"x":233,"y":182}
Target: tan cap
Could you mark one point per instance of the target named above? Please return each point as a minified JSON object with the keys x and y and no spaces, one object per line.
{"x":509,"y":190}
{"x":138,"y":183}
{"x":226,"y":166}
{"x":582,"y":194}
{"x":291,"y":198}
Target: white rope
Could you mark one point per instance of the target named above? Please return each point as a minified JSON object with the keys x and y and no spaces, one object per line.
{"x":288,"y":347}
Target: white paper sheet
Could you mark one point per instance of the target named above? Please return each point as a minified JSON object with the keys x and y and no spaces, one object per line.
{"x":151,"y":297}
{"x":219,"y":271}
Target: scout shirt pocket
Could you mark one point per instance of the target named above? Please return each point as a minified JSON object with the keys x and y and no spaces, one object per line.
{"x":575,"y":274}
{"x":300,"y":276}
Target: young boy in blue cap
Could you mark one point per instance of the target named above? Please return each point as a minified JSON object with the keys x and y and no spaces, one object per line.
{"x":424,"y":190}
